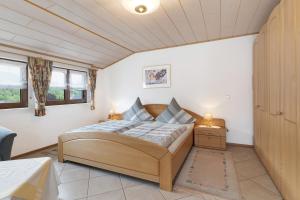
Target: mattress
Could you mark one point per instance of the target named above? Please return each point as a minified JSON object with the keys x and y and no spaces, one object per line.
{"x":162,"y":134}
{"x":173,"y":147}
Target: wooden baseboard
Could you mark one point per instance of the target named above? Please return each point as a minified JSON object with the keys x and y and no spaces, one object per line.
{"x":240,"y":145}
{"x":32,"y":152}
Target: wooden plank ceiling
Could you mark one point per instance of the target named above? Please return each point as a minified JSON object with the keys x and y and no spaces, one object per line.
{"x":101,"y":32}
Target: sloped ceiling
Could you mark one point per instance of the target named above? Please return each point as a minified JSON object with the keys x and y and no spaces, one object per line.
{"x":101,"y":32}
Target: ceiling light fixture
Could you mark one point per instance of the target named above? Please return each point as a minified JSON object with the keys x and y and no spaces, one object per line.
{"x":141,"y":7}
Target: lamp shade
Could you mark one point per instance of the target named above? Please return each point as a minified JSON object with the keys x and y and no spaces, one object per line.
{"x":208,"y":116}
{"x":141,"y":7}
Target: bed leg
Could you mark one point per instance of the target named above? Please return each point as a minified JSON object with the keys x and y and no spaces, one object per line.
{"x":60,"y":153}
{"x":165,"y":178}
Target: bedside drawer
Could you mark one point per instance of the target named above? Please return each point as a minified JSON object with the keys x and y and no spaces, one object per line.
{"x":210,"y":141}
{"x":214,"y":142}
{"x":211,"y":132}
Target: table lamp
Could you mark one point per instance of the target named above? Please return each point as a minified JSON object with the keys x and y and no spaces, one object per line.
{"x":208,"y":118}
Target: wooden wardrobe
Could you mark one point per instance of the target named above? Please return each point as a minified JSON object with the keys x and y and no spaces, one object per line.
{"x":276,"y":83}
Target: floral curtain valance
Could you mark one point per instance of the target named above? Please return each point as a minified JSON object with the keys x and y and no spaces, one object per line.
{"x":92,"y":82}
{"x":40,"y":71}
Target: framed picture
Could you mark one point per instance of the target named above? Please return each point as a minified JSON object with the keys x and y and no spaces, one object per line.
{"x":157,"y":76}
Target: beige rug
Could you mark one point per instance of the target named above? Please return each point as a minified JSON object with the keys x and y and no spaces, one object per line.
{"x":209,"y":171}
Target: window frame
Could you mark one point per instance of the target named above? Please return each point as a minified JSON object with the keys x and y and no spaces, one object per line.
{"x":23,"y":92}
{"x":67,"y":92}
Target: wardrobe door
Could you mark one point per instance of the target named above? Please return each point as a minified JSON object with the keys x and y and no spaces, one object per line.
{"x":263,"y":95}
{"x":263,"y":78}
{"x":256,"y":73}
{"x":274,"y":63}
{"x":257,"y":131}
{"x":298,"y":95}
{"x":256,"y":112}
{"x":274,"y":55}
{"x":289,"y":100}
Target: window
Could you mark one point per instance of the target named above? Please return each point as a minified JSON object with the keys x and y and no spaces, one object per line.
{"x":13,"y":84}
{"x":77,"y":85}
{"x":58,"y":85}
{"x":67,"y":87}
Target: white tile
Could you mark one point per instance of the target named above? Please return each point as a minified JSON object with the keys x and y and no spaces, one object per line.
{"x":128,"y":181}
{"x":242,"y":153}
{"x":193,"y":198}
{"x":94,"y":172}
{"x":145,"y":192}
{"x":266,"y":182}
{"x":71,"y":165}
{"x":253,"y":191}
{"x":249,"y":169}
{"x":174,"y":195}
{"x":74,"y":174}
{"x":114,"y":195}
{"x":73,"y":190}
{"x":58,"y":166}
{"x":104,"y":184}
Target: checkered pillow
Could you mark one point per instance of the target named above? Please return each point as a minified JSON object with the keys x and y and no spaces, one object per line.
{"x":137,"y":112}
{"x":174,"y":114}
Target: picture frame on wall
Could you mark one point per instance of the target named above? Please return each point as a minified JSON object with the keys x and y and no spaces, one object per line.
{"x":158,"y":76}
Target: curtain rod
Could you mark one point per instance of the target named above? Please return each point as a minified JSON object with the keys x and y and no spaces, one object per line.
{"x":27,"y":52}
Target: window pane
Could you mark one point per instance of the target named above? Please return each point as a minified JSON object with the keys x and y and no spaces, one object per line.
{"x":76,"y":94}
{"x":12,"y":74}
{"x":78,"y":80}
{"x":10,"y":95}
{"x":58,"y":78}
{"x":56,"y":94}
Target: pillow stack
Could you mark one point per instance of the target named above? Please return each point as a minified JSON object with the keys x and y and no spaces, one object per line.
{"x":174,"y":114}
{"x":137,"y":112}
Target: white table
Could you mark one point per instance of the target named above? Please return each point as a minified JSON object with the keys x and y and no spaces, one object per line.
{"x":28,"y":179}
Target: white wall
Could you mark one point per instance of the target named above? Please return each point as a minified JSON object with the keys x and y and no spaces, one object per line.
{"x":211,"y":77}
{"x":36,"y":132}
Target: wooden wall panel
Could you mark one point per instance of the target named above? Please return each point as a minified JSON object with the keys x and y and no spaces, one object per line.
{"x":229,"y":15}
{"x":246,"y":12}
{"x":212,"y":17}
{"x":116,"y":33}
{"x":193,"y":11}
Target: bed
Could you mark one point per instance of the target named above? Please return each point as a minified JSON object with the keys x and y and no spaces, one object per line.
{"x":129,"y":155}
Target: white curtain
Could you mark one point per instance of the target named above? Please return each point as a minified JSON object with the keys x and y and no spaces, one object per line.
{"x":58,"y":79}
{"x":78,"y":80}
{"x":13,"y":74}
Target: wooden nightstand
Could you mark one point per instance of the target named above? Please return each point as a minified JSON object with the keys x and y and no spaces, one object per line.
{"x":210,"y":137}
{"x":116,"y":116}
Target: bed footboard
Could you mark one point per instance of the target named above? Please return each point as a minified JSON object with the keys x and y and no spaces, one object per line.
{"x":111,"y":153}
{"x":171,"y":163}
{"x":128,"y":156}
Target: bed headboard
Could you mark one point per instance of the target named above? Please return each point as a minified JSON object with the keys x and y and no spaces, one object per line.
{"x":156,"y":109}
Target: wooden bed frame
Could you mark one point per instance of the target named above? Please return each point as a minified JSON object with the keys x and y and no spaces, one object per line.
{"x":129,"y":156}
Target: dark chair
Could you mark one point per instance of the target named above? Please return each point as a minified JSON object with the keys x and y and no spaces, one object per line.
{"x":6,"y":142}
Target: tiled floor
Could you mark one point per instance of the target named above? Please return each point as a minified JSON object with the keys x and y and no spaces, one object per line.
{"x":82,"y":182}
